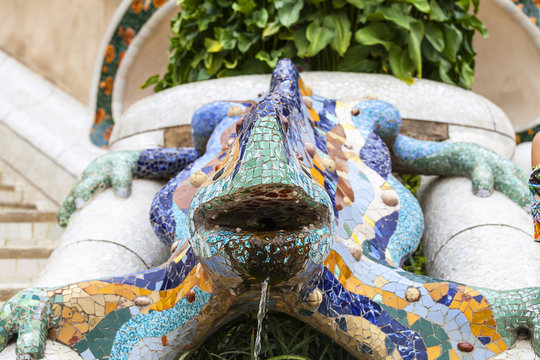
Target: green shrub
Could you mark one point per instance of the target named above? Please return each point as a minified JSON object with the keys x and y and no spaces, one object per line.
{"x":283,"y":337}
{"x":406,"y":38}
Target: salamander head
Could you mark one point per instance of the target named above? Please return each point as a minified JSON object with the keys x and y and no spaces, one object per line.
{"x":263,"y":214}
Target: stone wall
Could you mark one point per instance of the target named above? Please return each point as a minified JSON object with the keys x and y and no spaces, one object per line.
{"x":57,"y":39}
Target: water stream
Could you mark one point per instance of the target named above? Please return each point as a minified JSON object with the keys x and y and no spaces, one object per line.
{"x":260,"y":317}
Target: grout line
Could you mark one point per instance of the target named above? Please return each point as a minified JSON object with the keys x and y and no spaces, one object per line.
{"x":470,"y":228}
{"x":109,"y":242}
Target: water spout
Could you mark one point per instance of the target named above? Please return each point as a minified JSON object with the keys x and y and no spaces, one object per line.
{"x":260,"y":317}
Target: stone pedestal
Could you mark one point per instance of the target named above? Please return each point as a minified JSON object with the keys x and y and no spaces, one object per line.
{"x":485,"y":242}
{"x":109,"y":236}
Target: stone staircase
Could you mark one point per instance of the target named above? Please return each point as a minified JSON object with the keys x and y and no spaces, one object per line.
{"x":28,"y":232}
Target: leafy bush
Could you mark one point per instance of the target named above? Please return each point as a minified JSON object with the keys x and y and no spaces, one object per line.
{"x":283,"y":337}
{"x":406,"y":38}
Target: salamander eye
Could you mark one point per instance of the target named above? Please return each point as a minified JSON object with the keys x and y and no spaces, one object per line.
{"x":285,"y":123}
{"x":218,"y":174}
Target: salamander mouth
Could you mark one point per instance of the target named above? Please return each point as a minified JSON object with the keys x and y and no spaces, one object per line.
{"x":266,"y":231}
{"x":266,"y":209}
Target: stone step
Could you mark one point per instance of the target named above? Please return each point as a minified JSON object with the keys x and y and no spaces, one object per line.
{"x":11,"y":193}
{"x":27,"y":215}
{"x":14,"y":205}
{"x":27,"y":239}
{"x":19,"y":273}
{"x":24,"y":251}
{"x":29,"y":233}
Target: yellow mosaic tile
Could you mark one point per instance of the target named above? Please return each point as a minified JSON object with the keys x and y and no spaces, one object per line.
{"x":434,"y":352}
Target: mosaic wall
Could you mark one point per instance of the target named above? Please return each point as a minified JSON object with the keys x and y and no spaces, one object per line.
{"x":127,"y":28}
{"x":531,"y":8}
{"x":299,"y":189}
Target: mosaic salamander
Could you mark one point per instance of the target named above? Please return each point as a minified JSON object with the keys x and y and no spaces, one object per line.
{"x":298,"y":189}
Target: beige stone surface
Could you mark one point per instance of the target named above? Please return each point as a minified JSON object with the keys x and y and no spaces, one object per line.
{"x":57,"y":39}
{"x":152,"y":59}
{"x":508,"y":63}
{"x":470,"y":240}
{"x":423,"y":100}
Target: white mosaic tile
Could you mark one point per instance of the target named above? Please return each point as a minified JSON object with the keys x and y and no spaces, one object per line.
{"x":147,"y":140}
{"x":469,"y":240}
{"x":425,"y":99}
{"x":122,"y":221}
{"x":53,"y":351}
{"x":66,"y":265}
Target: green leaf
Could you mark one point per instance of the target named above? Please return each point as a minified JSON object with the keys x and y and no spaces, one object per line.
{"x":356,"y":60}
{"x":301,"y":42}
{"x":196,"y":60}
{"x":316,"y":3}
{"x":476,"y":3}
{"x":435,"y":36}
{"x":271,"y":29}
{"x":400,"y":64}
{"x":341,"y":27}
{"x":467,"y":76}
{"x":362,"y":4}
{"x":189,"y":7}
{"x":150,"y":81}
{"x":251,"y":67}
{"x":213,"y":62}
{"x":429,"y":53}
{"x":289,"y":50}
{"x":318,"y":36}
{"x":338,"y":4}
{"x":471,"y":21}
{"x":288,"y":11}
{"x":421,"y":5}
{"x":436,"y":13}
{"x":225,"y":37}
{"x":186,"y":41}
{"x":185,"y":355}
{"x":210,"y":14}
{"x":245,"y":41}
{"x":175,"y":25}
{"x":260,"y":17}
{"x":396,"y":13}
{"x":212,"y":46}
{"x":202,"y":74}
{"x":468,"y":47}
{"x":270,"y":59}
{"x":244,"y":6}
{"x":452,"y":38}
{"x":444,"y":67}
{"x":375,"y":33}
{"x":231,"y":65}
{"x":415,"y":39}
{"x":464,"y":4}
{"x":286,"y":34}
